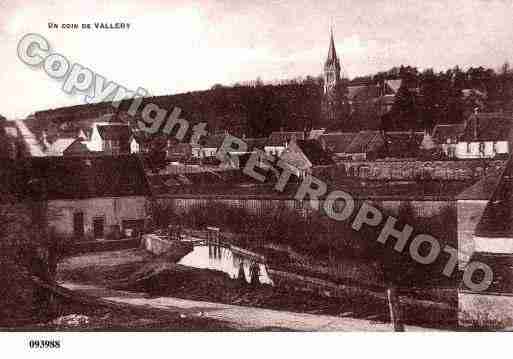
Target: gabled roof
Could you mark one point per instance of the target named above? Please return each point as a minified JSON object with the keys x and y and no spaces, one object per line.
{"x":337,"y":142}
{"x":316,"y":134}
{"x":58,"y":147}
{"x":488,"y":127}
{"x":254,"y":143}
{"x":362,"y":142}
{"x":443,"y":132}
{"x":481,"y":190}
{"x":362,"y":92}
{"x":114,"y":131}
{"x":79,"y":177}
{"x":393,"y":84}
{"x":313,"y":150}
{"x":214,"y":141}
{"x":279,"y":138}
{"x":402,"y":144}
{"x":497,"y":218}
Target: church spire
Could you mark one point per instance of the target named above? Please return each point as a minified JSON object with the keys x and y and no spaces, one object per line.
{"x":332,"y":59}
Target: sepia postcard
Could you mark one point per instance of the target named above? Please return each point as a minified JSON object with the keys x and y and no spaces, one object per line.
{"x":254,"y":166}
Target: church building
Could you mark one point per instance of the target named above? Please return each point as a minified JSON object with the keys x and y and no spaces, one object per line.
{"x":334,"y":104}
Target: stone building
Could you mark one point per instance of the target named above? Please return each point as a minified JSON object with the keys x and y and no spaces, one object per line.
{"x":91,"y":198}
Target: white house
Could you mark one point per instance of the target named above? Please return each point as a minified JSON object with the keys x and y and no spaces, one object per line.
{"x":110,"y":138}
{"x":209,"y":146}
{"x":279,"y":140}
{"x":487,"y":135}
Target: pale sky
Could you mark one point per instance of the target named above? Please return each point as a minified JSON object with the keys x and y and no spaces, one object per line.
{"x":178,"y":46}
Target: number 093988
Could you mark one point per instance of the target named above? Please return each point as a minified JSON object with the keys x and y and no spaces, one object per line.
{"x":44,"y":344}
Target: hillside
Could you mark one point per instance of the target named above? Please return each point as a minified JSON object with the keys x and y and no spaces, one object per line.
{"x":254,"y":111}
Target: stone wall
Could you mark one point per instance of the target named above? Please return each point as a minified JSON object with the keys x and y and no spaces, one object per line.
{"x":413,"y":169}
{"x":112,"y":209}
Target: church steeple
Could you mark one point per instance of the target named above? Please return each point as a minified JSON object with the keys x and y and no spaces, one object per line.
{"x":331,"y":67}
{"x":332,"y":59}
{"x":334,"y":105}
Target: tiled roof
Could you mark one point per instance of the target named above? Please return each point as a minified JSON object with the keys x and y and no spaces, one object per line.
{"x":362,"y":141}
{"x":59,"y":146}
{"x":313,"y":150}
{"x":316,"y":134}
{"x":402,"y":144}
{"x":497,"y":218}
{"x":481,"y":190}
{"x":214,"y":141}
{"x":443,"y":132}
{"x":281,"y":137}
{"x":78,"y":177}
{"x":488,"y":127}
{"x":362,"y":92}
{"x":254,"y":143}
{"x":337,"y":142}
{"x":114,"y":131}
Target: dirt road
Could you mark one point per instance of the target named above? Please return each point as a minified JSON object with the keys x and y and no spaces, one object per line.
{"x":241,"y":318}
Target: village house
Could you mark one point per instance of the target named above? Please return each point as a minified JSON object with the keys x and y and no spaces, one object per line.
{"x":446,"y":137}
{"x":278,"y":141}
{"x":356,"y":146}
{"x":178,"y":151}
{"x":402,"y":144}
{"x":209,"y":146}
{"x":336,"y":142}
{"x":304,"y":155}
{"x":103,"y":197}
{"x":110,"y":138}
{"x":486,"y":135}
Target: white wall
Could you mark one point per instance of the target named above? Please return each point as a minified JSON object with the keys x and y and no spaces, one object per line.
{"x":489,"y":150}
{"x":274,"y":150}
{"x":113,"y":209}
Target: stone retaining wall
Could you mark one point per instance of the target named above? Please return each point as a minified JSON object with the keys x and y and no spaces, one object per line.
{"x":411,"y":169}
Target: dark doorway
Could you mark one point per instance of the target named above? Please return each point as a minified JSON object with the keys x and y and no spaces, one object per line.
{"x":78,"y":224}
{"x":98,"y":227}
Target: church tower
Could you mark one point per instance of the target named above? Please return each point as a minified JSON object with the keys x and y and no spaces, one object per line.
{"x":333,"y":101}
{"x":331,"y":69}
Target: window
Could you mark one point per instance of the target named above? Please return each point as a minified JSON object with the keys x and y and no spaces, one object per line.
{"x":298,"y":204}
{"x":78,"y":224}
{"x":98,"y":227}
{"x":481,"y":148}
{"x":468,"y":147}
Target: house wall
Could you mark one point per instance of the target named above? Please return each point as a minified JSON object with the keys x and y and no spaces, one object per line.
{"x":96,"y":142}
{"x":489,"y":149}
{"x":469,"y":214}
{"x":202,"y":152}
{"x":113,"y":209}
{"x":274,"y":150}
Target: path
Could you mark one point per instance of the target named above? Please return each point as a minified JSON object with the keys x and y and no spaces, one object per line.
{"x":242,"y":318}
